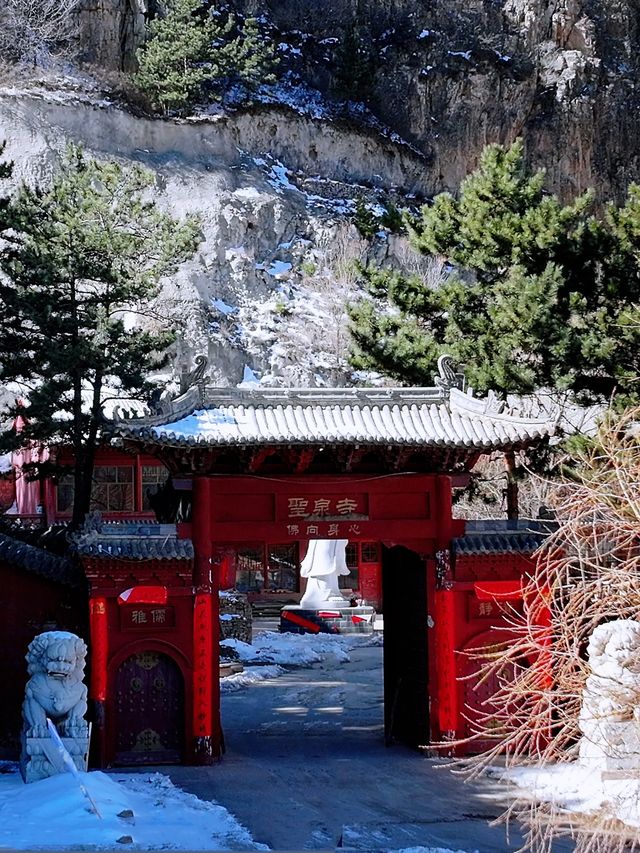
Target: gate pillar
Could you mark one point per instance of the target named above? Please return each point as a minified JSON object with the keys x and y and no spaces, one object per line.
{"x":206,"y":630}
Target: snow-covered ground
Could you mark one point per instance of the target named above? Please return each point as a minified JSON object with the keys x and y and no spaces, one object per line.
{"x":574,"y":788}
{"x":272,"y":652}
{"x":54,"y":814}
{"x":145,"y":811}
{"x":142,"y":811}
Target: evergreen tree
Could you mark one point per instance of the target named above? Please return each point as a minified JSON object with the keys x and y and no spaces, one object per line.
{"x":179,"y":55}
{"x":354,"y":67}
{"x":192,"y":52}
{"x":75,"y":258}
{"x":540,"y":294}
{"x":251,"y":57}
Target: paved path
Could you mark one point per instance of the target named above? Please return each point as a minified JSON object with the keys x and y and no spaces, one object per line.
{"x":306,"y":769}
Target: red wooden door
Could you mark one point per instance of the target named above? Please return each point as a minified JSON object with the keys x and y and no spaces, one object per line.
{"x":483,"y":716}
{"x":149,"y":724}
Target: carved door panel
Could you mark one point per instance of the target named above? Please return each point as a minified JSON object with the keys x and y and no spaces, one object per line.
{"x":483,"y":719}
{"x":149,"y":724}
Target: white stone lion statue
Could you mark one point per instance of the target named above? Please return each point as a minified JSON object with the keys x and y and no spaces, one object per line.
{"x":610,"y":714}
{"x":56,"y":665}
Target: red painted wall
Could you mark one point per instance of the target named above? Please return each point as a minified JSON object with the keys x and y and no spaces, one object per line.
{"x":29,"y":605}
{"x":117,"y":633}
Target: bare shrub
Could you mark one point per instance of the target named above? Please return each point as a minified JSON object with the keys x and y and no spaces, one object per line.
{"x":430,"y":268}
{"x":488,"y":497}
{"x":587,"y":573}
{"x":32,"y":30}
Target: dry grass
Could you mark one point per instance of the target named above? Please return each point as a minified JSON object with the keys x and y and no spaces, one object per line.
{"x":587,"y":573}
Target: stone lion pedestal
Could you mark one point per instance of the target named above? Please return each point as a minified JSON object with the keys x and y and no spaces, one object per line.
{"x":56,"y":692}
{"x":610,"y":714}
{"x":323,"y":608}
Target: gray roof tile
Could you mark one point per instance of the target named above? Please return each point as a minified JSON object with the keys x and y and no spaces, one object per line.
{"x":392,"y":416}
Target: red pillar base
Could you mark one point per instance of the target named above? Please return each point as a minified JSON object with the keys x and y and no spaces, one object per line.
{"x":204,"y":751}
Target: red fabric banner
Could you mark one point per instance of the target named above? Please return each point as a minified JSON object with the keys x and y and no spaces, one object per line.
{"x":203,"y":665}
{"x":448,"y":714}
{"x":498,"y":590}
{"x":99,"y":648}
{"x":144,"y":595}
{"x":307,"y":624}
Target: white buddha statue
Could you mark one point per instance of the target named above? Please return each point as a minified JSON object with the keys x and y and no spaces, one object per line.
{"x":324,"y":562}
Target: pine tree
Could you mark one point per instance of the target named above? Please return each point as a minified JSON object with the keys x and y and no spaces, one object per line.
{"x":193,"y":53}
{"x":540,"y":294}
{"x":252,"y":57}
{"x":76,"y":257}
{"x":179,"y":55}
{"x":355,"y":67}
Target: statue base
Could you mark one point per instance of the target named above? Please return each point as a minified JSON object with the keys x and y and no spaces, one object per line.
{"x":611,"y":745}
{"x":40,"y":758}
{"x":295,"y":619}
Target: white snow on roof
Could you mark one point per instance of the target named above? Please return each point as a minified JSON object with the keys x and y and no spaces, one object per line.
{"x":416,"y":417}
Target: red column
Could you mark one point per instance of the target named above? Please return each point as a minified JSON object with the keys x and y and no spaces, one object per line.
{"x":98,"y":626}
{"x":99,"y":648}
{"x":448,"y":714}
{"x":206,"y":619}
{"x":445,"y":700}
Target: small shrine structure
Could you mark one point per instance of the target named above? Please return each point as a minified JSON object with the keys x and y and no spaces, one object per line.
{"x":374,"y":466}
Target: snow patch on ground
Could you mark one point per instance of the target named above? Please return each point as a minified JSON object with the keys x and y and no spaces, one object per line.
{"x":250,"y":675}
{"x":54,"y":815}
{"x":299,"y":649}
{"x":573,"y":787}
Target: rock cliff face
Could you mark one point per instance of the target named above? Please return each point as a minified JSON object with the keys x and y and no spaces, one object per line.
{"x":111,"y":31}
{"x":453,"y":75}
{"x":274,"y":192}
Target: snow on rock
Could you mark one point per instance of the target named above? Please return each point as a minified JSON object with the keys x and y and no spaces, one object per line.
{"x":54,"y":815}
{"x":249,"y":378}
{"x":245,"y":176}
{"x":250,"y":675}
{"x":223,"y":308}
{"x":279,"y":269}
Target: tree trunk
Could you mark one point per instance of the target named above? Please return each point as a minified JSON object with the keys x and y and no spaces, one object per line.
{"x":512,"y":485}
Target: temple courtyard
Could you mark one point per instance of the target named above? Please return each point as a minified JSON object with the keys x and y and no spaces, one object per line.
{"x":305,"y":768}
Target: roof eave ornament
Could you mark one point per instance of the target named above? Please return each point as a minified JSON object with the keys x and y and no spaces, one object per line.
{"x":447,"y":377}
{"x":197,"y":376}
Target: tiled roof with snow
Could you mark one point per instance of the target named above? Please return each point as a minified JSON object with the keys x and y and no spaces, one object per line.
{"x":132,"y":541}
{"x":496,"y":536}
{"x":416,"y":417}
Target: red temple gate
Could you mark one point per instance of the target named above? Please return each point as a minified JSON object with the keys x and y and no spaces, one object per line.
{"x":265,"y":466}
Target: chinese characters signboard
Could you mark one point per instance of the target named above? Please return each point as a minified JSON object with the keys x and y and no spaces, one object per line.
{"x":147,"y":617}
{"x":324,"y":517}
{"x":286,"y":508}
{"x":329,"y":507}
